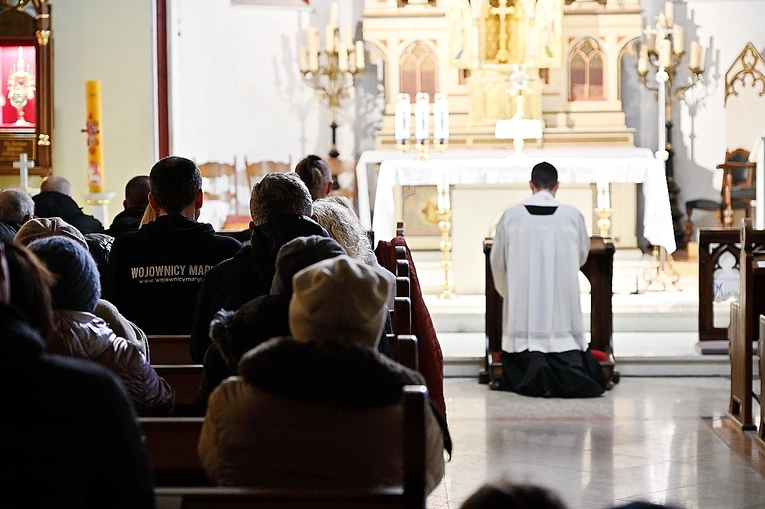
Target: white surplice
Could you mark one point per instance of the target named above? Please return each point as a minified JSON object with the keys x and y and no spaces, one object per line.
{"x":535,"y":262}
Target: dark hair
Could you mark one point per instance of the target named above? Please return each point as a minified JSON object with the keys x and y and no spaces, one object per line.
{"x":315,"y":173}
{"x":506,"y":495}
{"x":137,"y":191}
{"x":279,"y":194}
{"x":31,"y":285}
{"x":174,"y":183}
{"x":544,"y":176}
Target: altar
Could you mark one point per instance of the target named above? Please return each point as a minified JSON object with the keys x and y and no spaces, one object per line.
{"x":483,"y":185}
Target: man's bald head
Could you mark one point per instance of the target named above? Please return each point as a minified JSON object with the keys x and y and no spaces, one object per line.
{"x":57,"y":184}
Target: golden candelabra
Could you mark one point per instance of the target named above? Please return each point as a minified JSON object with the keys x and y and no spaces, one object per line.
{"x":663,"y":50}
{"x":333,"y":71}
{"x":445,"y":226}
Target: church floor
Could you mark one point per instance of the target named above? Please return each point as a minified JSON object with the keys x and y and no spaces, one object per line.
{"x":663,"y":440}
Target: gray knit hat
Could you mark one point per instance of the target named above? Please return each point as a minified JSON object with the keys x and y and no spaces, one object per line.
{"x":77,"y":286}
{"x":298,"y":254}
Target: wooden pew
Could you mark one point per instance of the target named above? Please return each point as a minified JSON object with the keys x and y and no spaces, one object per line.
{"x":172,"y":445}
{"x":409,"y":495}
{"x":185,"y":380}
{"x":599,"y":271}
{"x":169,"y":349}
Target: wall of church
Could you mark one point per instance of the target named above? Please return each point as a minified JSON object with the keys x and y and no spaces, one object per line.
{"x":114,"y":45}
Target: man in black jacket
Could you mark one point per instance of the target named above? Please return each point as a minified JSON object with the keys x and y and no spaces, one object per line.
{"x":16,"y":208}
{"x":280,"y":206}
{"x":72,"y":438}
{"x":55,"y":200}
{"x":155,"y":272}
{"x":136,"y":200}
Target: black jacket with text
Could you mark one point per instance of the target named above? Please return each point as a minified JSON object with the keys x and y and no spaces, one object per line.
{"x":155,"y":272}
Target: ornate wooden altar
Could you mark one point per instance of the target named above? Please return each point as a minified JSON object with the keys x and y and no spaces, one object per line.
{"x":26,"y":75}
{"x":599,"y":270}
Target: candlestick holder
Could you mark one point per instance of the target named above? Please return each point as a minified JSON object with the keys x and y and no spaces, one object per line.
{"x":661,"y":271}
{"x":604,"y":221}
{"x":445,"y":226}
{"x":423,"y":148}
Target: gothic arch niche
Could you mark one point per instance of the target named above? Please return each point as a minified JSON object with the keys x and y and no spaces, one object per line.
{"x":504,"y":32}
{"x":586,"y":71}
{"x":418,"y":70}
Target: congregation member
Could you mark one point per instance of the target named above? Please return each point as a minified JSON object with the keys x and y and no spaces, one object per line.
{"x":235,"y":333}
{"x":280,"y":209}
{"x":73,"y":439}
{"x":344,"y":226}
{"x":44,"y":227}
{"x":55,"y":200}
{"x":16,"y":208}
{"x":336,"y":421}
{"x":155,"y":272}
{"x":135,"y":203}
{"x":317,"y":176}
{"x":77,"y":332}
{"x":539,"y":246}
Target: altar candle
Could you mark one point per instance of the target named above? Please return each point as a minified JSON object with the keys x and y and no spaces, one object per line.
{"x":678,"y":40}
{"x":669,"y":13}
{"x":303,"y":55}
{"x":695,"y":58}
{"x":665,"y":55}
{"x":643,"y":60}
{"x":360,"y":61}
{"x":403,"y":115}
{"x":650,"y":42}
{"x":329,"y":40}
{"x":313,"y":60}
{"x":444,"y":202}
{"x":93,"y":129}
{"x":342,"y":58}
{"x":440,"y":117}
{"x":422,"y":117}
{"x":333,"y":14}
{"x":348,"y":36}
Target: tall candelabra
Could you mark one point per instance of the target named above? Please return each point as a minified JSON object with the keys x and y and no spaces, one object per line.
{"x":663,"y":51}
{"x":333,"y":71}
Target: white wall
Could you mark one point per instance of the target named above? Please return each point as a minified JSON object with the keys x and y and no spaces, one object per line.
{"x":111,"y":41}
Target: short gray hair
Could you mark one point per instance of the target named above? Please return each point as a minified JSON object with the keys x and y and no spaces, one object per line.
{"x":16,"y":206}
{"x":279,"y":194}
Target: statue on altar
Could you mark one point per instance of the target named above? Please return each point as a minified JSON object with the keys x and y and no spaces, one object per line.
{"x":21,"y":87}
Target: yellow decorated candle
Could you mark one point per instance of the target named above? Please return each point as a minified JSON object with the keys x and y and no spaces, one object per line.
{"x":93,"y":129}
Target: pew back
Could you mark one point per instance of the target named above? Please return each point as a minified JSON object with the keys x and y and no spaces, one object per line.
{"x":172,"y":445}
{"x":169,"y":349}
{"x":185,"y":380}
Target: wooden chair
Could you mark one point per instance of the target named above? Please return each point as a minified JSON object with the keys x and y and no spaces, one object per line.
{"x":221,"y":172}
{"x":409,"y":495}
{"x":172,"y":445}
{"x":256,"y":171}
{"x":169,"y":349}
{"x":185,"y":381}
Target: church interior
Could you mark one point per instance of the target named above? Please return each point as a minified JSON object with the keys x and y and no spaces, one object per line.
{"x":253,"y":86}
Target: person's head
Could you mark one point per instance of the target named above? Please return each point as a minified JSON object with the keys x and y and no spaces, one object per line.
{"x":506,"y":495}
{"x":43,"y":227}
{"x":77,"y":286}
{"x":175,"y":187}
{"x":30,"y":287}
{"x":298,"y":254}
{"x":137,"y":192}
{"x":340,"y":300}
{"x":56,"y":184}
{"x":342,"y":225}
{"x":16,"y":206}
{"x":279,"y":194}
{"x":316,"y":175}
{"x":544,"y":177}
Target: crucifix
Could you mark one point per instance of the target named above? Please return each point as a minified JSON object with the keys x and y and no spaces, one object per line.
{"x":23,"y":165}
{"x":503,"y":11}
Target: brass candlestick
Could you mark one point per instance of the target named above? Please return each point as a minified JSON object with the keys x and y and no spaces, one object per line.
{"x":661,"y":271}
{"x":445,"y":226}
{"x":604,"y":221}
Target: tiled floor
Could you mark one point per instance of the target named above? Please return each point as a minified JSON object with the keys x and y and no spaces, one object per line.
{"x":657,"y":439}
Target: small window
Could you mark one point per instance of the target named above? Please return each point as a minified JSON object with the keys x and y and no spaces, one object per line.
{"x":586,"y":70}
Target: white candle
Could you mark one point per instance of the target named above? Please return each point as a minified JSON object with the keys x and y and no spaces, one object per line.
{"x":678,"y":40}
{"x":360,"y":61}
{"x":603,"y":198}
{"x":643,"y":60}
{"x":440,"y":117}
{"x":303,"y":55}
{"x":348,"y":36}
{"x":444,"y":202}
{"x":342,"y":58}
{"x":702,"y":57}
{"x":650,"y":43}
{"x":313,"y":60}
{"x":329,"y":39}
{"x":422,"y":117}
{"x":669,"y":13}
{"x":665,"y":55}
{"x":403,"y":115}
{"x":695,"y":58}
{"x":333,"y":14}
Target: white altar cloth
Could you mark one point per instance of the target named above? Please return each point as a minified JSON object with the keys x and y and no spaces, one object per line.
{"x":623,"y":165}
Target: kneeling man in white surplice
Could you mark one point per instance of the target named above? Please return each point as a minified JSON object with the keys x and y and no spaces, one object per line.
{"x":538,"y":249}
